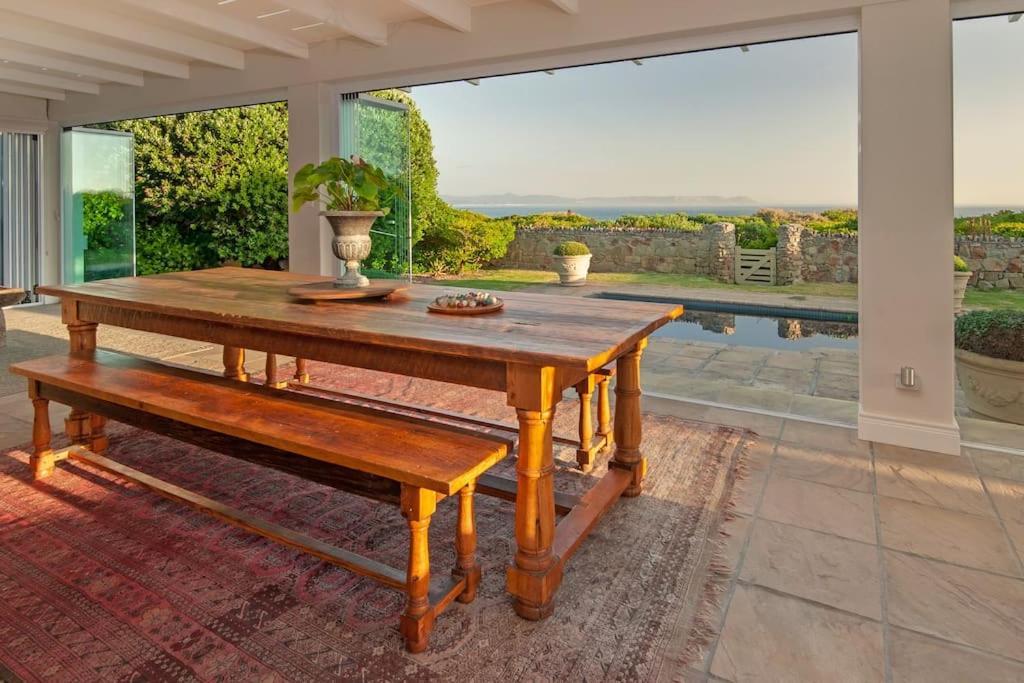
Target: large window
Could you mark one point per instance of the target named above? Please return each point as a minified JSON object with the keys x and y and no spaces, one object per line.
{"x":19,"y":211}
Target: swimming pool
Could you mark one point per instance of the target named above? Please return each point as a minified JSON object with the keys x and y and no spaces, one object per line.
{"x":790,"y":334}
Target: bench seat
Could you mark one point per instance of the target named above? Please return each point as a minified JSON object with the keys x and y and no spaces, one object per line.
{"x":410,"y":461}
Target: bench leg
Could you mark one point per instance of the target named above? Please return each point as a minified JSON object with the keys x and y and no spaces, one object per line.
{"x":418,"y":505}
{"x":465,"y":545}
{"x":42,"y":459}
{"x":234,"y":363}
{"x":604,"y":413}
{"x":301,"y":371}
{"x":585,"y":454}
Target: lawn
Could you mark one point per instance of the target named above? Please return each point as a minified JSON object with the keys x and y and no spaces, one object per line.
{"x":511,"y":280}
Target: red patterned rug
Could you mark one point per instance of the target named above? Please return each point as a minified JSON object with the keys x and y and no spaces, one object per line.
{"x":102,"y":580}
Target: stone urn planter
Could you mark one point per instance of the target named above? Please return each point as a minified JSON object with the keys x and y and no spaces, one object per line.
{"x":351,"y":242}
{"x":8,"y":297}
{"x":961,"y":276}
{"x":990,"y":363}
{"x":572,"y":262}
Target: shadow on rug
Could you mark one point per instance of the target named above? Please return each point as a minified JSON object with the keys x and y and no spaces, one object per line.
{"x":103,"y":580}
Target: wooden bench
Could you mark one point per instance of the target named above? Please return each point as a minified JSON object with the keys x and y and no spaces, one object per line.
{"x":588,"y":446}
{"x":399,"y":459}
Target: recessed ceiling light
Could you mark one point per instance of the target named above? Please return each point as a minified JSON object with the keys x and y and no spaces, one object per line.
{"x":272,"y":14}
{"x":305,"y":26}
{"x":43,"y":68}
{"x":225,"y":2}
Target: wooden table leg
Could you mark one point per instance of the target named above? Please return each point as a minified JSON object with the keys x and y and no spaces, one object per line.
{"x":41,"y":460}
{"x":604,"y":413}
{"x":536,"y":573}
{"x":585,"y":453}
{"x":628,"y":420}
{"x":234,"y":363}
{"x":301,"y":371}
{"x":416,"y":623}
{"x":79,"y":425}
{"x":273,"y":376}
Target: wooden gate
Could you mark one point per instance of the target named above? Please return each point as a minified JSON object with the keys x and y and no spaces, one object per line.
{"x":756,"y":266}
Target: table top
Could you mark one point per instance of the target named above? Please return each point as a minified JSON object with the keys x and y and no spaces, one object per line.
{"x":535,"y":329}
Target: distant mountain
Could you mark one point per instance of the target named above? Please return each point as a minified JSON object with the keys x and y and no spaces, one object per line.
{"x":509,"y":199}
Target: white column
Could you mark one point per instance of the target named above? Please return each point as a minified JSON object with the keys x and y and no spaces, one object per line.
{"x":312,"y":138}
{"x":906,"y":224}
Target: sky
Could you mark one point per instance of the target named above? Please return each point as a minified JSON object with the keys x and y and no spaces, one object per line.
{"x":777,"y":124}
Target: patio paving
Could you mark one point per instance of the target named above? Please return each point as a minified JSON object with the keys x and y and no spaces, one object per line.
{"x":846,"y":560}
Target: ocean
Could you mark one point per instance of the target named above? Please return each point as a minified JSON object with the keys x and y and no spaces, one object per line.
{"x":611,"y":212}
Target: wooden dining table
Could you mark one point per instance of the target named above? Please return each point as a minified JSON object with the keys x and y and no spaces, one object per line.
{"x":533,"y":350}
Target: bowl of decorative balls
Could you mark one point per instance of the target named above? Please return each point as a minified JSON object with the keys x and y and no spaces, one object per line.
{"x":469,"y":303}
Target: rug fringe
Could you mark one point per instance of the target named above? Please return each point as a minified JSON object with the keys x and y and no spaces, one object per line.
{"x":720,"y":572}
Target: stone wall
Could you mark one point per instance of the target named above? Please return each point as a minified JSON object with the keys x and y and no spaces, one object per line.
{"x":997,"y":262}
{"x":709,"y":251}
{"x":804,"y":255}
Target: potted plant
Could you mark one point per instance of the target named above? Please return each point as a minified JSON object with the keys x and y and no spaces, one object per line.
{"x":990,"y":363}
{"x":352,"y":191}
{"x":961,"y":276}
{"x":572,"y":261}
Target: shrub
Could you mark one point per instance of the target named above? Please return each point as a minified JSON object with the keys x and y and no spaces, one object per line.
{"x":103,"y":219}
{"x":996,"y":334}
{"x":571,"y":249}
{"x":756,"y":235}
{"x":666,"y":221}
{"x":210,"y":187}
{"x":458,"y":240}
{"x":554,"y":220}
{"x":959,"y":265}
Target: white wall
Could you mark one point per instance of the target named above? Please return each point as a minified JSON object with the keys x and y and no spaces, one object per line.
{"x":906,"y":223}
{"x":21,"y":114}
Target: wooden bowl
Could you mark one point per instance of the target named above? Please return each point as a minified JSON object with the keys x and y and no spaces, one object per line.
{"x":477,"y":310}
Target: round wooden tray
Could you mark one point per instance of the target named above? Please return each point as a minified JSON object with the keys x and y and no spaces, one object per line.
{"x":479,"y":310}
{"x":326,"y":291}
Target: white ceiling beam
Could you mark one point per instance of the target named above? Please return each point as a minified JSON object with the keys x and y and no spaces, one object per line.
{"x":356,"y":23}
{"x":452,"y":13}
{"x":30,"y":56}
{"x":225,"y":24}
{"x":9,"y":73}
{"x":117,"y":25}
{"x":567,"y":6}
{"x":30,"y":91}
{"x":42,"y":34}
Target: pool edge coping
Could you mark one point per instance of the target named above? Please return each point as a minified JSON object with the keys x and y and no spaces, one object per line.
{"x":716,"y":306}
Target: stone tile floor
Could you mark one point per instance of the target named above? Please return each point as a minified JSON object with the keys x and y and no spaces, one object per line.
{"x":853,"y":561}
{"x":849,"y":561}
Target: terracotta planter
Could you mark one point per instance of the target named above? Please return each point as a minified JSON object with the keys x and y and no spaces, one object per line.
{"x":572,"y":270}
{"x":960,"y":281}
{"x":351,"y":242}
{"x":993,"y":387}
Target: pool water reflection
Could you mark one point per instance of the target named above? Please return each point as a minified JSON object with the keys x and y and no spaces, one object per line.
{"x":791,"y":334}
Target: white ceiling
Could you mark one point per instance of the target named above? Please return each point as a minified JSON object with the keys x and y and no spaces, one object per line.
{"x":50,"y":47}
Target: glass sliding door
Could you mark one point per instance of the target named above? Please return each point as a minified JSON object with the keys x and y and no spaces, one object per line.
{"x":378,"y":131}
{"x":19,"y":211}
{"x":98,"y":177}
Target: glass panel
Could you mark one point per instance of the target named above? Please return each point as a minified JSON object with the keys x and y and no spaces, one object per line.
{"x":378,"y":131}
{"x":98,"y":169}
{"x":19,"y":211}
